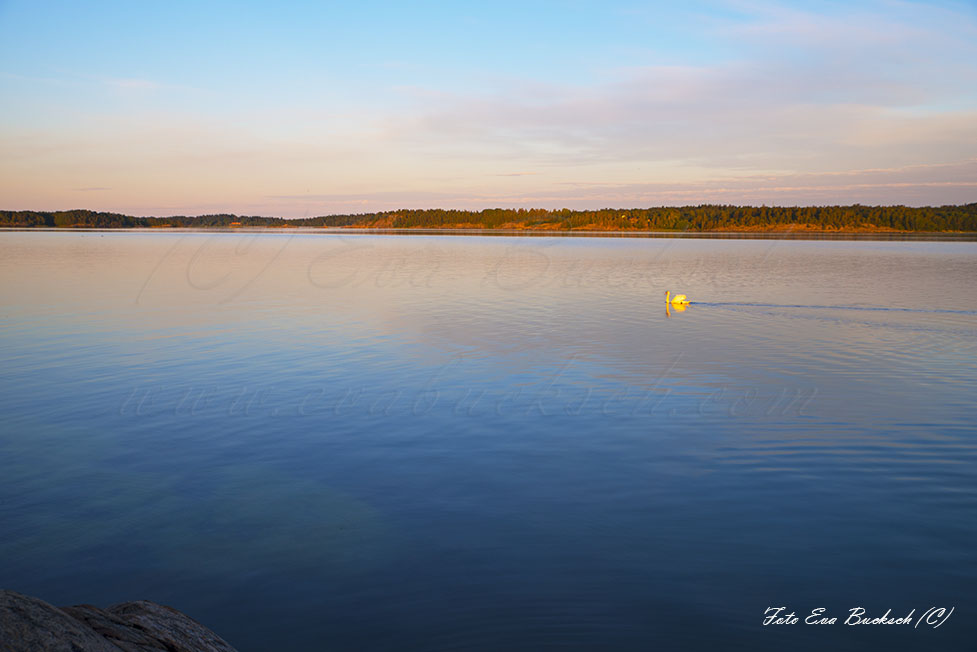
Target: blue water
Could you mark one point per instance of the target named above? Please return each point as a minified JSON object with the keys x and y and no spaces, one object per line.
{"x":312,"y":441}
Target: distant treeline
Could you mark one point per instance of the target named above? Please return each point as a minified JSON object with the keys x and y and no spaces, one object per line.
{"x":684,"y":218}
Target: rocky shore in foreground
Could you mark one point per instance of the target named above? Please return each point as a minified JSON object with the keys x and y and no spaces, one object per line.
{"x":31,"y":625}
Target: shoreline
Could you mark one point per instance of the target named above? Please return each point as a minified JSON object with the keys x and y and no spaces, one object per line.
{"x":787,"y":234}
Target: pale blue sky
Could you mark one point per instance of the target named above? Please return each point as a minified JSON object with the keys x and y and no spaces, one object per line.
{"x":312,"y":108}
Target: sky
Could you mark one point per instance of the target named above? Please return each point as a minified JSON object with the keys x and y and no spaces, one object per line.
{"x":304,"y":109}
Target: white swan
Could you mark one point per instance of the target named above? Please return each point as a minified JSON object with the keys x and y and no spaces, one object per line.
{"x":678,"y":299}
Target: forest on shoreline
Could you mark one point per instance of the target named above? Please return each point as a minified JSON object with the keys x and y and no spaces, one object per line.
{"x":702,"y":218}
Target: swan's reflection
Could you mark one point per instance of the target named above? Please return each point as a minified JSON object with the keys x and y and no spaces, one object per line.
{"x":677,"y":307}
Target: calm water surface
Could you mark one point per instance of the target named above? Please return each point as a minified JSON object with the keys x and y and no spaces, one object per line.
{"x":386,"y":443}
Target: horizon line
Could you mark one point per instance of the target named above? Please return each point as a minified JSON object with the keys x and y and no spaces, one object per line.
{"x":489,"y":208}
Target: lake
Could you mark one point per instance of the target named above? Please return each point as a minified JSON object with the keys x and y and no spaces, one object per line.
{"x":376,"y":442}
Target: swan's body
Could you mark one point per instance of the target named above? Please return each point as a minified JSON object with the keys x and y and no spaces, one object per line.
{"x":678,"y":299}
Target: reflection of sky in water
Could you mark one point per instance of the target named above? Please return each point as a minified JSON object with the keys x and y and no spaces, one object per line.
{"x":488,"y":441}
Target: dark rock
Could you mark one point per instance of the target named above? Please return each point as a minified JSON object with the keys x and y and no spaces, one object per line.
{"x":31,"y":625}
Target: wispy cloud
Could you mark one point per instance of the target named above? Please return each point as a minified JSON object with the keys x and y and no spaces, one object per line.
{"x":912,"y":185}
{"x":818,"y":93}
{"x":132,"y":84}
